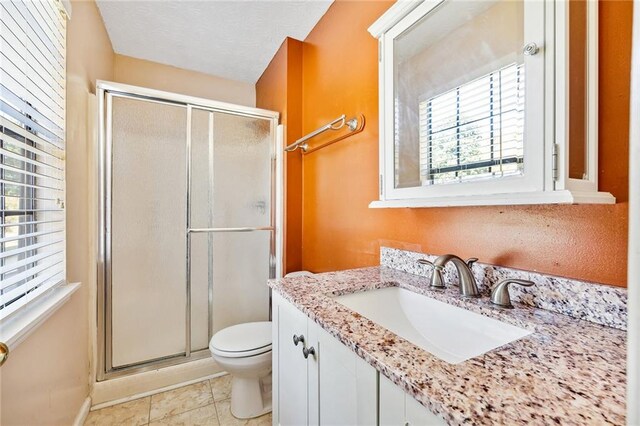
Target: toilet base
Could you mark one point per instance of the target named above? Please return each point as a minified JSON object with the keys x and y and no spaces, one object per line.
{"x":250,"y":397}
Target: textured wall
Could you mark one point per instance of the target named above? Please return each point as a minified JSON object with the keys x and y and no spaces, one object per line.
{"x":139,"y":72}
{"x":280,"y":89}
{"x":340,"y":231}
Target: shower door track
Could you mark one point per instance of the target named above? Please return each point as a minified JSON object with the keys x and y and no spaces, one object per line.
{"x":106,"y":90}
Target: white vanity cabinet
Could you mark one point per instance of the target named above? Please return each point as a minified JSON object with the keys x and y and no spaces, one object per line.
{"x":290,"y":369}
{"x":332,"y":386}
{"x":343,"y":385}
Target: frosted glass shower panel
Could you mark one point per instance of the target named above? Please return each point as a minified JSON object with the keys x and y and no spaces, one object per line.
{"x":238,"y":186}
{"x":201,"y":188}
{"x":148,"y":238}
{"x":240,"y":274}
{"x":201,"y":217}
{"x":201,"y":267}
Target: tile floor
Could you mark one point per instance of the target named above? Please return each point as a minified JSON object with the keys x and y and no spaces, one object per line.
{"x":205,"y":403}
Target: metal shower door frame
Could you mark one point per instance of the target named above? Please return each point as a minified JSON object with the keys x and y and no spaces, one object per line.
{"x":106,"y":91}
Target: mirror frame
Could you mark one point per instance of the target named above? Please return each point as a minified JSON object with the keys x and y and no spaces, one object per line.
{"x":556,"y":187}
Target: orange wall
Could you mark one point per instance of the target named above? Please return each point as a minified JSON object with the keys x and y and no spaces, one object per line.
{"x":339,"y":230}
{"x":280,"y":89}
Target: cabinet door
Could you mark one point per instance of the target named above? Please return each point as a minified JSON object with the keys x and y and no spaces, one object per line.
{"x":392,"y":401}
{"x":398,"y":408}
{"x":342,"y":387}
{"x":418,"y":415}
{"x":290,"y":366}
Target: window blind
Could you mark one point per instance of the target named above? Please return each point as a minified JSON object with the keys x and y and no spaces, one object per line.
{"x":474,"y":131}
{"x":32,"y":113}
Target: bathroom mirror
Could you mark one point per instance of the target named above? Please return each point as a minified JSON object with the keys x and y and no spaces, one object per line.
{"x":488,"y":102}
{"x":460,"y":117}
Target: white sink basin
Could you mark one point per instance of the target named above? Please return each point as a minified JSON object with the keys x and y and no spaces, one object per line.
{"x":452,"y":334}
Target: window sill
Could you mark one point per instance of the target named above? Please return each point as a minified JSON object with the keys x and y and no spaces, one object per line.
{"x":522,"y":198}
{"x":15,"y":329}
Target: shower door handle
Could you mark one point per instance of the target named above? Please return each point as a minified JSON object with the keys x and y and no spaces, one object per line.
{"x":238,"y":229}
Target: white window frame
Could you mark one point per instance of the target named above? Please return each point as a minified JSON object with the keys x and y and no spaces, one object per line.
{"x":546,"y":115}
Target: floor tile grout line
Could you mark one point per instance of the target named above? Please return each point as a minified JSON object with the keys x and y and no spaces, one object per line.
{"x":211,"y":390}
{"x":215,"y":407}
{"x":149,"y":417}
{"x":213,"y":398}
{"x":218,"y":412}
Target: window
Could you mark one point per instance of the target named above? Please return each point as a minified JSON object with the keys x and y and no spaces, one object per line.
{"x":474,"y":131}
{"x":32,"y":102}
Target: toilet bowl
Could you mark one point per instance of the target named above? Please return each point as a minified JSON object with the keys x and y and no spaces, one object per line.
{"x":244,"y":351}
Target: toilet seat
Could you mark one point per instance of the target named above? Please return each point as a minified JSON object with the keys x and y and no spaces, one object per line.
{"x":242,"y":340}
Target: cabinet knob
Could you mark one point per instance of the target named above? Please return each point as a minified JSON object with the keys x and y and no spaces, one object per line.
{"x":308,"y":351}
{"x":530,"y":49}
{"x":298,"y":339}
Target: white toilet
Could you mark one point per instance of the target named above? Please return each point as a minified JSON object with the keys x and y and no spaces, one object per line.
{"x":244,"y":351}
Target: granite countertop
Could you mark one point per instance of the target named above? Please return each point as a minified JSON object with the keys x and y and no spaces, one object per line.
{"x":567,"y":371}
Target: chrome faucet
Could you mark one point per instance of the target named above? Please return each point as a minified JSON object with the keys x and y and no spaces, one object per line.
{"x":468,"y":286}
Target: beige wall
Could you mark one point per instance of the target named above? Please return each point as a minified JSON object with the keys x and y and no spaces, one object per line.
{"x":47,"y":377}
{"x":139,"y":72}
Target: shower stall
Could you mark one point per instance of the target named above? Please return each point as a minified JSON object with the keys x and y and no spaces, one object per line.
{"x":188,"y":194}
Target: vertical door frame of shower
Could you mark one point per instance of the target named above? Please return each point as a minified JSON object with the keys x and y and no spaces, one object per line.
{"x":105,"y":91}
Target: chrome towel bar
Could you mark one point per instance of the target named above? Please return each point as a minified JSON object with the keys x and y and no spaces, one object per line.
{"x":336,"y":124}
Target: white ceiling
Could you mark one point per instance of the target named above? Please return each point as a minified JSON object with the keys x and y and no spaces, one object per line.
{"x":234,"y":39}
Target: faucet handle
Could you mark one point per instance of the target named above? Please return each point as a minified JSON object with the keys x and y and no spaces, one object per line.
{"x":471,"y":261}
{"x":500,"y":293}
{"x":437,"y":282}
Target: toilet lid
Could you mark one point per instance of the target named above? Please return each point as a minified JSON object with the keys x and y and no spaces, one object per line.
{"x":242,"y":340}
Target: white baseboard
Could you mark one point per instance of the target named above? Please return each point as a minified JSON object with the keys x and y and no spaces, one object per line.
{"x":83,"y":412}
{"x":127,"y":388}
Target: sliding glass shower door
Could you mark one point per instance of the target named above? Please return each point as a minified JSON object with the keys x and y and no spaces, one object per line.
{"x":231,"y":219}
{"x":187,"y":226}
{"x":148,"y":230}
